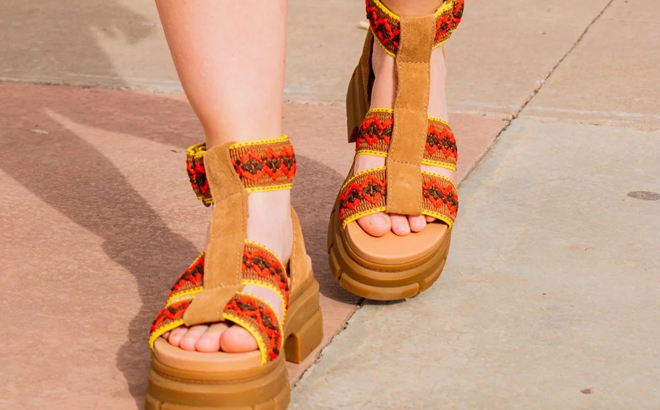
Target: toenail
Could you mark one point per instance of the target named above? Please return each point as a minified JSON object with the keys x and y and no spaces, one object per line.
{"x":378,"y":223}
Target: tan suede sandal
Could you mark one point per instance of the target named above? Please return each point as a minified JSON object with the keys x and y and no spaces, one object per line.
{"x":395,"y":267}
{"x":210,"y":291}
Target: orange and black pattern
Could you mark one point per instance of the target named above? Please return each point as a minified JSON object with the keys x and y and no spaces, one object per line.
{"x":264,"y":165}
{"x":363,"y":193}
{"x":366,"y":193}
{"x":387,"y":28}
{"x":261,"y":265}
{"x":261,"y":165}
{"x":375,"y":136}
{"x":170,"y":314}
{"x":254,"y":314}
{"x":197,"y":173}
{"x":440,"y":196}
{"x":191,"y":279}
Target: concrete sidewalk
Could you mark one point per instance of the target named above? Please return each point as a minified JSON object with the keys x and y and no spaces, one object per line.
{"x":551,"y":295}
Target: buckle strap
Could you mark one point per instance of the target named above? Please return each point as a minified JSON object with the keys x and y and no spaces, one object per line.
{"x":386,"y":25}
{"x":375,"y":136}
{"x":263,"y":165}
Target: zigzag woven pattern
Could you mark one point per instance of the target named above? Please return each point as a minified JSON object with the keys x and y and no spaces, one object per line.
{"x":260,"y":267}
{"x":365,"y":193}
{"x":375,"y":136}
{"x":264,"y":165}
{"x":386,"y":25}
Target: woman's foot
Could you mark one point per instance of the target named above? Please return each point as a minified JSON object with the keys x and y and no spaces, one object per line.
{"x":382,"y":96}
{"x":269,"y":223}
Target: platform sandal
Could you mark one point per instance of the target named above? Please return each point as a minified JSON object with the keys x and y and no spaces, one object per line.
{"x":188,"y":380}
{"x":394,"y":267}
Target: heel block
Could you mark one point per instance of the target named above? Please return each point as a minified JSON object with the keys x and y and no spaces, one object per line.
{"x":305,"y":339}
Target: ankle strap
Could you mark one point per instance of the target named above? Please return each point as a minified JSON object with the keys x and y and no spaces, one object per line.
{"x":386,"y":25}
{"x":263,"y":165}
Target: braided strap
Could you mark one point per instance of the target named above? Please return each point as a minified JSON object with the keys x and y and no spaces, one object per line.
{"x":259,"y":318}
{"x":365,"y":193}
{"x":375,"y":136}
{"x":264,"y":165}
{"x":386,"y":25}
{"x":260,"y":267}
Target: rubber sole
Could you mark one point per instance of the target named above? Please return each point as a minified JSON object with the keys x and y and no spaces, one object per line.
{"x":382,"y":282}
{"x":257,"y":388}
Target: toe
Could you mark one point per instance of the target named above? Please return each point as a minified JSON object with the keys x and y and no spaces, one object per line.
{"x":189,"y":340}
{"x":417,"y":223}
{"x":237,"y":340}
{"x":210,"y":340}
{"x":429,"y":219}
{"x":376,"y":224}
{"x":176,"y":335}
{"x":400,"y":225}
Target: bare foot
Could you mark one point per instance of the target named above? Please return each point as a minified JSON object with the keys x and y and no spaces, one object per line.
{"x":269,"y":224}
{"x":382,"y":96}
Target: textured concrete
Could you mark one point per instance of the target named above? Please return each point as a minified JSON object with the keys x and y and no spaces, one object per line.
{"x":504,"y":50}
{"x":550,"y":288}
{"x":98,"y":219}
{"x":549,"y":299}
{"x":120,"y":44}
{"x":612,"y":75}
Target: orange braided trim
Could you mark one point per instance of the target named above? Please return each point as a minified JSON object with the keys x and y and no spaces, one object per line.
{"x":262,"y":266}
{"x":365,"y":193}
{"x":259,"y":318}
{"x":263,"y":165}
{"x":386,"y":25}
{"x":197,"y":173}
{"x":375,"y":136}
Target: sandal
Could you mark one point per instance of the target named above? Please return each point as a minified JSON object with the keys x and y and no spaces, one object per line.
{"x":180,"y":379}
{"x":394,"y":267}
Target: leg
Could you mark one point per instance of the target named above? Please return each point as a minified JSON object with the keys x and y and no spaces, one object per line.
{"x":383,"y":93}
{"x":229,"y":55}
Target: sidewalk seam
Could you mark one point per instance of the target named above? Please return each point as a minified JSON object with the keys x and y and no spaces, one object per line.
{"x":561,"y":60}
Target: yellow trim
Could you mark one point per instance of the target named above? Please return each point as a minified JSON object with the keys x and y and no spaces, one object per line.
{"x":247,"y":282}
{"x":391,"y":111}
{"x":440,"y":120}
{"x":439,"y":164}
{"x":185,"y":293}
{"x":387,"y":110}
{"x":161,"y":331}
{"x":375,"y":37}
{"x":428,"y":162}
{"x":369,"y":152}
{"x":269,"y":188}
{"x":249,"y":242}
{"x":433,"y":174}
{"x":192,"y":150}
{"x":386,"y":10}
{"x":366,"y":171}
{"x":359,"y":215}
{"x":283,"y":138}
{"x":443,"y":218}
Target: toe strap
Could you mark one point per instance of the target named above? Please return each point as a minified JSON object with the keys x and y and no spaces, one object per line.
{"x":259,"y":318}
{"x":365,"y":193}
{"x":260,"y":267}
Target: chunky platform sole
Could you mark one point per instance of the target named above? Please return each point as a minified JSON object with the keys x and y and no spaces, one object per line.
{"x":256,"y":388}
{"x":382,"y":282}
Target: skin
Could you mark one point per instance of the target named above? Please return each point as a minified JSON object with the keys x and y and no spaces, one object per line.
{"x":229,"y":55}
